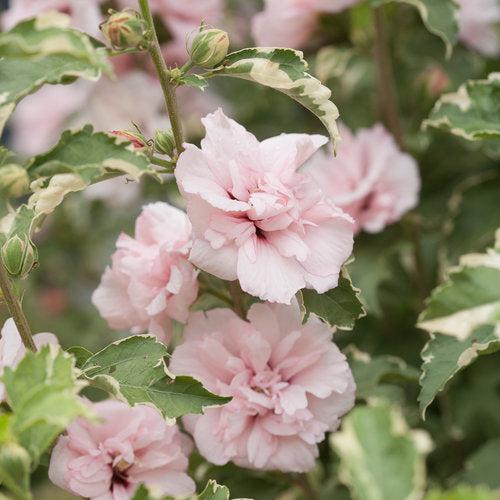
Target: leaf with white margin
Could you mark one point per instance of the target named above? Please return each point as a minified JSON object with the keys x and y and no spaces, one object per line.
{"x":339,"y":307}
{"x":15,"y":466}
{"x":284,"y":70}
{"x":472,"y":112}
{"x":380,"y":457}
{"x":133,"y":370}
{"x":41,"y":382}
{"x":444,"y":356}
{"x":44,"y":50}
{"x":440,"y":18}
{"x":469,"y":298}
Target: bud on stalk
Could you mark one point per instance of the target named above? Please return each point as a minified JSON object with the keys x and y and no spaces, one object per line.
{"x":125,"y":29}
{"x":18,"y":256}
{"x":209,"y":48}
{"x":164,"y":142}
{"x":14,"y":180}
{"x":136,"y":138}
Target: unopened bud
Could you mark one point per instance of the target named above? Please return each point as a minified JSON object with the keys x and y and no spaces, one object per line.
{"x":136,"y":138}
{"x":14,"y":180}
{"x":124,"y":29}
{"x":164,"y":142}
{"x":209,"y":48}
{"x":18,"y":256}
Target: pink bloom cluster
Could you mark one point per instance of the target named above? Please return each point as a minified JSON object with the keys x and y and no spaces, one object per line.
{"x":290,"y":384}
{"x":370,"y":178}
{"x":130,"y":446}
{"x":291,"y":23}
{"x":12,"y":349}
{"x":150,"y":281}
{"x":255,"y":218}
{"x":479,"y":22}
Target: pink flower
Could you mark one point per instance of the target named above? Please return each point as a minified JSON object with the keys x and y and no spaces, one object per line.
{"x":255,"y":218}
{"x":150,"y":281}
{"x":370,"y":178}
{"x":290,"y":384}
{"x":291,"y":23}
{"x":85,"y":14}
{"x":479,"y":25}
{"x":12,"y":349}
{"x":132,"y":445}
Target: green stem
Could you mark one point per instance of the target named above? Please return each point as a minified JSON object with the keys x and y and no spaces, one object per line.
{"x":237,"y":298}
{"x":163,"y":75}
{"x":387,"y":96}
{"x":132,"y":50}
{"x":169,"y":165}
{"x":15,"y":309}
{"x":186,"y":67}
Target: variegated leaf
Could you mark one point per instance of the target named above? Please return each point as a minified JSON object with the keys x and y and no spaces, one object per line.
{"x":472,"y":112}
{"x":463,"y":318}
{"x":440,"y":18}
{"x":44,"y":50}
{"x":380,"y":457}
{"x":284,"y":70}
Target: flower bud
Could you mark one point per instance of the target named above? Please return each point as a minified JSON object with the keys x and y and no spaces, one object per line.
{"x":209,"y":48}
{"x":14,"y":180}
{"x":18,"y":256}
{"x":124,"y":29}
{"x":164,"y":142}
{"x":136,"y":138}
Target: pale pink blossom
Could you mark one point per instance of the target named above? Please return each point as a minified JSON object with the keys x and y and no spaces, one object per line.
{"x":255,"y":218}
{"x":84,"y":14}
{"x":479,"y":22}
{"x":291,"y":23}
{"x":150,"y":281}
{"x":129,"y":446}
{"x":12,"y":349}
{"x":370,"y":178}
{"x":289,"y":382}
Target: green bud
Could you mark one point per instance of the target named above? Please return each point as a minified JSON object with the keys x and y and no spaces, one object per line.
{"x":164,"y":142}
{"x":209,"y":48}
{"x":18,"y":256}
{"x":14,"y":180}
{"x":125,"y":29}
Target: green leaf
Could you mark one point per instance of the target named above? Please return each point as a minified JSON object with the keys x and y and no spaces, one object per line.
{"x":196,"y":81}
{"x":473,"y":216}
{"x":463,"y":492}
{"x":284,"y":70}
{"x":42,"y":382}
{"x":214,"y":491}
{"x":463,"y":318}
{"x":371,"y":374}
{"x":134,"y":370}
{"x":44,"y":51}
{"x":339,"y":307}
{"x":481,"y":468}
{"x":380,"y":458}
{"x":81,"y":355}
{"x":444,"y":356}
{"x":472,"y":112}
{"x":15,"y":470}
{"x":440,"y":18}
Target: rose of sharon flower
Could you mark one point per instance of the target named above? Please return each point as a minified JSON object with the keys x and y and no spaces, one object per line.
{"x":479,"y":25}
{"x":12,"y":349}
{"x":289,"y":383}
{"x":370,"y":178}
{"x":255,"y":218}
{"x":291,"y":23}
{"x":150,"y":281}
{"x":130,"y":446}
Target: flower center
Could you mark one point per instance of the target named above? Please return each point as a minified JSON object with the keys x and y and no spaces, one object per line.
{"x":120,"y":475}
{"x":267,"y":382}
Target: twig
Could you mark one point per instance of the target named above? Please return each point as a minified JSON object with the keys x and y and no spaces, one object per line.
{"x":15,"y":309}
